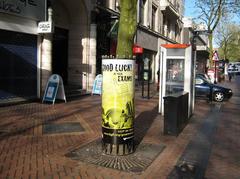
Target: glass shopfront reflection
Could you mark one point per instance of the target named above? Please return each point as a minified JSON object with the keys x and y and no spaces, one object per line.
{"x":174,"y":76}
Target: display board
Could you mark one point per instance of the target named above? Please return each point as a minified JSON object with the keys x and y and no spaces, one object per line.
{"x":54,"y":89}
{"x":118,"y":100}
{"x":97,"y":85}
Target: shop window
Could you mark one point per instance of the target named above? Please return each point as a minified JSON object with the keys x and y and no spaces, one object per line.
{"x":142,"y":11}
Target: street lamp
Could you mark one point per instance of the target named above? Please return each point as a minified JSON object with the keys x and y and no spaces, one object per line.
{"x":197,"y":33}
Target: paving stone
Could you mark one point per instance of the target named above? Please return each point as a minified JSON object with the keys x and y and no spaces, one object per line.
{"x":26,"y":151}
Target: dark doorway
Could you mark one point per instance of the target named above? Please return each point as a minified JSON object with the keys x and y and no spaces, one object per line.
{"x":18,"y":65}
{"x":60,"y":53}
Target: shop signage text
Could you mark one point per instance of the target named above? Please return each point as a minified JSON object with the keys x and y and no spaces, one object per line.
{"x":45,"y":27}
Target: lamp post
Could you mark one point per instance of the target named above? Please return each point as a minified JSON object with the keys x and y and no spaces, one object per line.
{"x":215,"y":59}
{"x":196,"y":33}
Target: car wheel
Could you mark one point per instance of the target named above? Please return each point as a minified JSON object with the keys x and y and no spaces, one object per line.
{"x":218,"y":96}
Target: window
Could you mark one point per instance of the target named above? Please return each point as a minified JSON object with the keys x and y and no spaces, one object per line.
{"x":176,"y":32}
{"x":174,"y":76}
{"x":154,"y":10}
{"x":164,"y":29}
{"x":198,"y":81}
{"x":142,"y":14}
{"x":169,"y":29}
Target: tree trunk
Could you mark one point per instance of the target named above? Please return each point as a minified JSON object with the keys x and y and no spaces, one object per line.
{"x":118,"y":109}
{"x":210,"y":38}
{"x":127,"y":28}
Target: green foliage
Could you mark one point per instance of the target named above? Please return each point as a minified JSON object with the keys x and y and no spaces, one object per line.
{"x":210,"y":12}
{"x":230,"y":44}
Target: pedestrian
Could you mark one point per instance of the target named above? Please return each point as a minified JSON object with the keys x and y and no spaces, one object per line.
{"x":229,"y":77}
{"x":158,"y":78}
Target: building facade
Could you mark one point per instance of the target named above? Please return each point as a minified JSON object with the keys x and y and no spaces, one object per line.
{"x":198,"y":37}
{"x":159,"y":22}
{"x":29,"y":57}
{"x":83,"y":31}
{"x":19,"y":48}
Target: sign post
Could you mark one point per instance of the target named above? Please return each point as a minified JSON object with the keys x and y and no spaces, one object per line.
{"x":215,"y":59}
{"x":54,"y":89}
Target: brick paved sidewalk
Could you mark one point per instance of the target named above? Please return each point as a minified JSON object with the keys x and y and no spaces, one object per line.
{"x":27,"y":150}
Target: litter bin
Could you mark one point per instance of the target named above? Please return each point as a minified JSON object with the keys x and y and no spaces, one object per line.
{"x":175,"y":112}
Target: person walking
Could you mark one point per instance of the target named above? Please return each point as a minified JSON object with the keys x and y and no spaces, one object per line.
{"x":229,"y":77}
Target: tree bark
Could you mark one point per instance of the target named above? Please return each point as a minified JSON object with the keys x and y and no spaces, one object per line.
{"x":127,"y":28}
{"x":118,"y":109}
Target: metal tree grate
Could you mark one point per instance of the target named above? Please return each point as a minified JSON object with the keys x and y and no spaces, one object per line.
{"x":53,"y":128}
{"x":136,"y":162}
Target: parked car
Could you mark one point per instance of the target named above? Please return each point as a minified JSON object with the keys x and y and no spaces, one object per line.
{"x":204,"y":88}
{"x":204,"y":75}
{"x":233,"y":69}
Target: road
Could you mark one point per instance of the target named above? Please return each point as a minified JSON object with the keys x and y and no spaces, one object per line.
{"x":224,"y":160}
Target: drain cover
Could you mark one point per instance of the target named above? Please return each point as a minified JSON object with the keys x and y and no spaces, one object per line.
{"x":136,"y":162}
{"x":53,"y":128}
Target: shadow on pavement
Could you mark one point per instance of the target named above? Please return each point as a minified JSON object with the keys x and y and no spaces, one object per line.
{"x":143,"y":123}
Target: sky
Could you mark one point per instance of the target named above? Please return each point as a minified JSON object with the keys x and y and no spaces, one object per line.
{"x":189,"y":8}
{"x":190,"y":11}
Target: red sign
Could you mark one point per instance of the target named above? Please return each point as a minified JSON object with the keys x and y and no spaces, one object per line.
{"x":175,"y":45}
{"x":137,"y":49}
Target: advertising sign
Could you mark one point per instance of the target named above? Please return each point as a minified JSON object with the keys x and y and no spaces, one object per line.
{"x":97,"y":85}
{"x":137,"y":49}
{"x":54,"y":89}
{"x":118,"y":100}
{"x":45,"y":27}
{"x":33,"y":9}
{"x":51,"y":91}
{"x":211,"y":74}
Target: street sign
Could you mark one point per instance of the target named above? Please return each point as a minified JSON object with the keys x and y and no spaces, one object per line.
{"x":45,"y":27}
{"x":54,"y":89}
{"x":215,"y":56}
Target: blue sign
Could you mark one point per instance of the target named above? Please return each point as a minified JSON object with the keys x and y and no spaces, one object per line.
{"x":97,"y":85}
{"x":54,"y":89}
{"x":51,"y":92}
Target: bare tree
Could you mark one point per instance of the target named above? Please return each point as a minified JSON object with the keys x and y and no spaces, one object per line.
{"x":227,"y":37}
{"x":223,"y":35}
{"x":211,"y":12}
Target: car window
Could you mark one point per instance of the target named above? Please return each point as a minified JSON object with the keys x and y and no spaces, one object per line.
{"x":199,"y":81}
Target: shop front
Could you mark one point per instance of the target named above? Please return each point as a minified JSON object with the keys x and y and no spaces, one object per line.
{"x":19,"y":50}
{"x":147,"y":62}
{"x":67,"y":51}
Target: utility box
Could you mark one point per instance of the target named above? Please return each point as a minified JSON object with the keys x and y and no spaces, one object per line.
{"x":175,"y":113}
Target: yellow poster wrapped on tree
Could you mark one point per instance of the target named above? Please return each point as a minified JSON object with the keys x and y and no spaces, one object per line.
{"x":118,"y":100}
